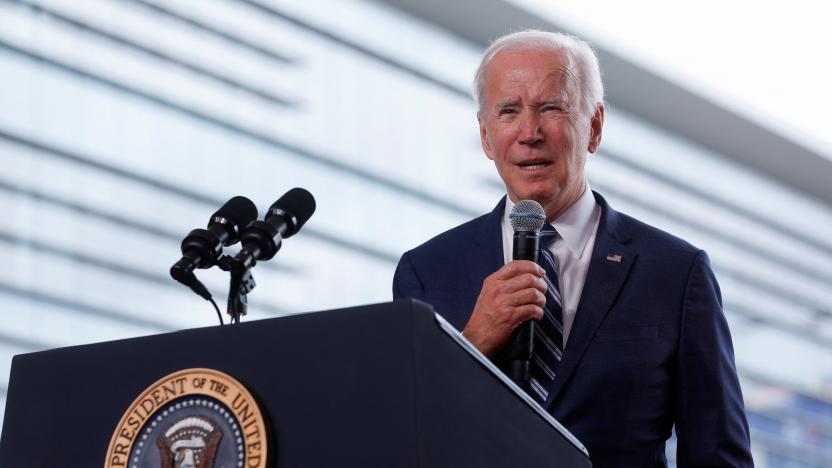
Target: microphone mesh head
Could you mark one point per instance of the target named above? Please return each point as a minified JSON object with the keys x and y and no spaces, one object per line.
{"x":239,"y":210}
{"x":297,"y":203}
{"x":234,"y":216}
{"x":527,"y":215}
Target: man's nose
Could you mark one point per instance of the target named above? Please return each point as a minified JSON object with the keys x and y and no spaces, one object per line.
{"x":530,"y":133}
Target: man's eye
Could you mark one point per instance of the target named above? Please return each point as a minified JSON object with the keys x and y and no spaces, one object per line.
{"x":506,"y":111}
{"x":552,"y":109}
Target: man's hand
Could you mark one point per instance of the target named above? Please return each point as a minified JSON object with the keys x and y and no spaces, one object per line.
{"x":510,"y":296}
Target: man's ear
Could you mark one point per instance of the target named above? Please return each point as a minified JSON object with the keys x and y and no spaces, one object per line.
{"x":486,"y":147}
{"x":596,"y":127}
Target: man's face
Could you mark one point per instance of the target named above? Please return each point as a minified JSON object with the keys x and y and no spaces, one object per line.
{"x":534,"y":128}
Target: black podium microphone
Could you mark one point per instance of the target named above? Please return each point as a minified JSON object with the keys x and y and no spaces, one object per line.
{"x":527,"y":218}
{"x":262,"y":239}
{"x":201,"y":248}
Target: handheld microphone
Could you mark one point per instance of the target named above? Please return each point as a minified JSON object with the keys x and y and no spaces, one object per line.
{"x":202,"y":248}
{"x":262,"y":239}
{"x":527,"y":218}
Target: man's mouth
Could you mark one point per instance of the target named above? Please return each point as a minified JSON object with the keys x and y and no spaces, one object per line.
{"x":534,"y":164}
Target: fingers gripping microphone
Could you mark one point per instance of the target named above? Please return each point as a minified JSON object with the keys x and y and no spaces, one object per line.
{"x":527,"y":218}
{"x":203,"y":247}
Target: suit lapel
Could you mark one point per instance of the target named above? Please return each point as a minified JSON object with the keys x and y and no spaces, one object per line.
{"x":486,"y":256}
{"x":608,"y":270}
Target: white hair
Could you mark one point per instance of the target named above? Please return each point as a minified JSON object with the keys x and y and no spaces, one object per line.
{"x":586,"y":62}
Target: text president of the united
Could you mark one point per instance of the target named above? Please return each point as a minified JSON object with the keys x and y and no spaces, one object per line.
{"x":638,"y":340}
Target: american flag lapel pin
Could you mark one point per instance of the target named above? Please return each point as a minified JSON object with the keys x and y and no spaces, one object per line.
{"x":614,"y":258}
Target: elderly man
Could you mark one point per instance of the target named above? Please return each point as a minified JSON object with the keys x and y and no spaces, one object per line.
{"x":631,"y":339}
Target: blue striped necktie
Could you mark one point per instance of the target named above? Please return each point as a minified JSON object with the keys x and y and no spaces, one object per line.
{"x":548,"y":332}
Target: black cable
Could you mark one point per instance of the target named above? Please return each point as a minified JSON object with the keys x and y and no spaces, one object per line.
{"x":219,"y":314}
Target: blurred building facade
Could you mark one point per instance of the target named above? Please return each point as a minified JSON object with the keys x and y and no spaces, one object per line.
{"x":126,"y":123}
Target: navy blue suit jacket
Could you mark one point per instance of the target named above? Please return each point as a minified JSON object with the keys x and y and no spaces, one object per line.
{"x":649,"y":347}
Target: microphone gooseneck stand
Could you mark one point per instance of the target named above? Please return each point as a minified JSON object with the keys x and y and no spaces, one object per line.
{"x":261,"y":240}
{"x":242,"y":282}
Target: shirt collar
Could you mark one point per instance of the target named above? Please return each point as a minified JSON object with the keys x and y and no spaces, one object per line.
{"x":575,"y":225}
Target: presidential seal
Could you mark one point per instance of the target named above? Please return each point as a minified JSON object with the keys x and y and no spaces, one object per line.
{"x":194,"y":418}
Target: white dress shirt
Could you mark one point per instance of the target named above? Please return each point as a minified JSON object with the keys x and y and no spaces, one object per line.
{"x":577,"y":227}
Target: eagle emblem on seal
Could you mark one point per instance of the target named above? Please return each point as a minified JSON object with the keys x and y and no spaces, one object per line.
{"x":190,"y":442}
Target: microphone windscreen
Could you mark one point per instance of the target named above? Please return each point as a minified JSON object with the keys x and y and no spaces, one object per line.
{"x":527,"y":216}
{"x":239,"y":211}
{"x":299,"y":203}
